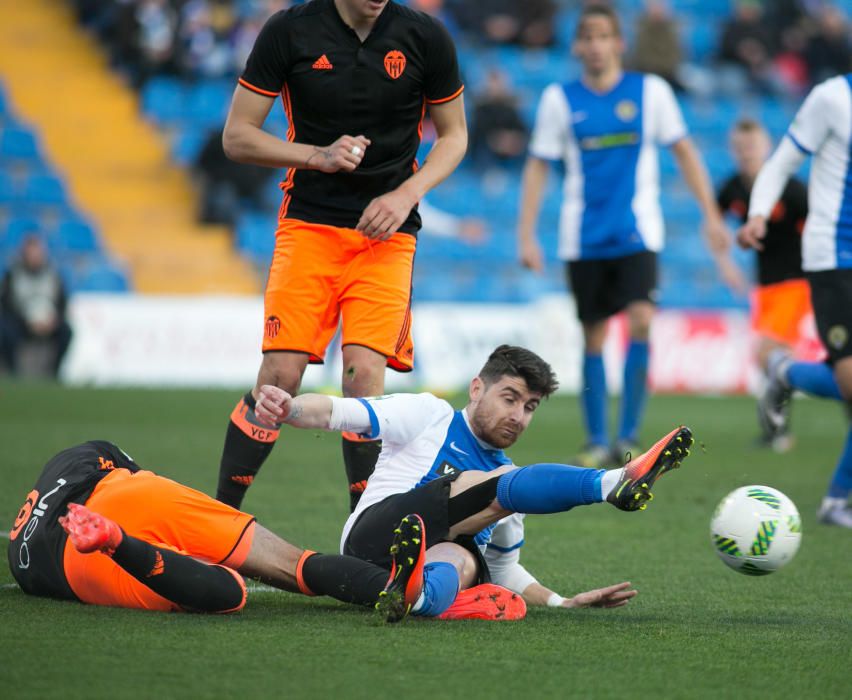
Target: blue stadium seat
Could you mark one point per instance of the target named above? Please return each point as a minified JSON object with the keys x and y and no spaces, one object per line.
{"x":76,"y":236}
{"x":16,"y":229}
{"x":187,"y":144}
{"x":43,"y":189}
{"x":206,"y":104}
{"x":255,"y":238}
{"x":163,"y":99}
{"x":8,"y":189}
{"x":19,"y":144}
{"x":93,"y":273}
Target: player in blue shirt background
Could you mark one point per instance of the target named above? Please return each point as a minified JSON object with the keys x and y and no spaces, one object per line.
{"x":606,"y":128}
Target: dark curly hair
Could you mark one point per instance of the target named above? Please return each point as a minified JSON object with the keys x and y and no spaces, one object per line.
{"x":514,"y":361}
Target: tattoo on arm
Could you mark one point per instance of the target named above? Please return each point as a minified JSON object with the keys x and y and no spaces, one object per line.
{"x":318,"y":151}
{"x":295,"y":413}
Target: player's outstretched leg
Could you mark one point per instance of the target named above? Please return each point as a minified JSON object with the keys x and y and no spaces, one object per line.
{"x":486,"y":601}
{"x":186,"y":582}
{"x":633,"y":489}
{"x":406,"y":580}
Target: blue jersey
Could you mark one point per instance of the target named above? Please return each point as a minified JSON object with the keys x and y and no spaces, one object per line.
{"x":608,"y":143}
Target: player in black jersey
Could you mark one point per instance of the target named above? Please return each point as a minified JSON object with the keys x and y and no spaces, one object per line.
{"x":99,"y":529}
{"x":781,"y":299}
{"x":355,"y":78}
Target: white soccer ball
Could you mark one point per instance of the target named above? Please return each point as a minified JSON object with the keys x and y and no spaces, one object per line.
{"x":756,"y":530}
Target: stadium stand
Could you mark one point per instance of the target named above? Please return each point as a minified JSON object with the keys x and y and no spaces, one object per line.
{"x":79,"y":158}
{"x":34,"y":198}
{"x":184,"y":106}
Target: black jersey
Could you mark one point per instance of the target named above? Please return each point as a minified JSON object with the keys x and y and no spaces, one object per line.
{"x":37,"y":540}
{"x":332,"y":84}
{"x":781,"y":257}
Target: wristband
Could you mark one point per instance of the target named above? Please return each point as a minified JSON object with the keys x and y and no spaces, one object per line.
{"x":555,"y":601}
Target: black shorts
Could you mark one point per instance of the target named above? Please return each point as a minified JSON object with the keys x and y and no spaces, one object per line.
{"x":604,"y":287}
{"x":831,"y":298}
{"x":372,"y":534}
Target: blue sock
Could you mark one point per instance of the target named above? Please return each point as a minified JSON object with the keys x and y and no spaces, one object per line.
{"x":840,"y":485}
{"x":635,"y":389}
{"x":593,"y":398}
{"x":548,"y":488}
{"x":440,"y":587}
{"x":815,"y":378}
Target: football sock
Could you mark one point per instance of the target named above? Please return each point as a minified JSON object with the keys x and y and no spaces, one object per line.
{"x":440,"y":587}
{"x":609,"y":480}
{"x":359,"y":458}
{"x":593,"y":398}
{"x":345,"y":578}
{"x":815,"y":378}
{"x":841,"y":481}
{"x":635,"y":389}
{"x":248,"y":443}
{"x":181,"y":579}
{"x":549,"y":488}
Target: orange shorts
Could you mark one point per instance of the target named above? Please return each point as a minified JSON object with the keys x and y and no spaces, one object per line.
{"x":778,"y":310}
{"x":320,"y":273}
{"x":166,"y":514}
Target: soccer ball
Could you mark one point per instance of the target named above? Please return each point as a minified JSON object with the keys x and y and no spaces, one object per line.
{"x":756,"y":530}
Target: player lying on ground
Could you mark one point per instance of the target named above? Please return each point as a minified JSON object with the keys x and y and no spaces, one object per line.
{"x":141,"y":541}
{"x":449,"y":467}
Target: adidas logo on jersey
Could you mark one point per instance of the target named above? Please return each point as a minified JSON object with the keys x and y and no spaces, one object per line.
{"x":322,"y":63}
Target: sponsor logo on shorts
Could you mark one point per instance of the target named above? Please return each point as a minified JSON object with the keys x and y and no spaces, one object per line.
{"x":272,"y":326}
{"x":838,"y":336}
{"x":395,"y":63}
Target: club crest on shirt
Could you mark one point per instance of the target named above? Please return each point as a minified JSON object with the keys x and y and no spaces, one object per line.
{"x":626,"y":110}
{"x":837,"y":337}
{"x":395,"y":63}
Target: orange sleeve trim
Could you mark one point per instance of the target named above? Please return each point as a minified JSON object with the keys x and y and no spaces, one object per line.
{"x":303,"y":587}
{"x":253,"y":88}
{"x":445,"y":99}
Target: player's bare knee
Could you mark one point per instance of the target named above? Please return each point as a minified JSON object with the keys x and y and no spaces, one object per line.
{"x":363,"y":373}
{"x":460,"y":558}
{"x":282,"y":369}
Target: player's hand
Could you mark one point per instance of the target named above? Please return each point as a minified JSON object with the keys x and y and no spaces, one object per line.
{"x":344,"y":155}
{"x":609,"y":597}
{"x":732,"y":275}
{"x":752,"y":233}
{"x":384,"y":215}
{"x":273,"y":405}
{"x":717,"y":234}
{"x":529,"y":254}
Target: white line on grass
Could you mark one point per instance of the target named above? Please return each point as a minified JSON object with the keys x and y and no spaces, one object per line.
{"x":9,"y":585}
{"x":4,"y":535}
{"x":261,"y":588}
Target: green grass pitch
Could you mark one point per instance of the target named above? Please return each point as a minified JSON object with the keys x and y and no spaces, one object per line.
{"x":696,"y":629}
